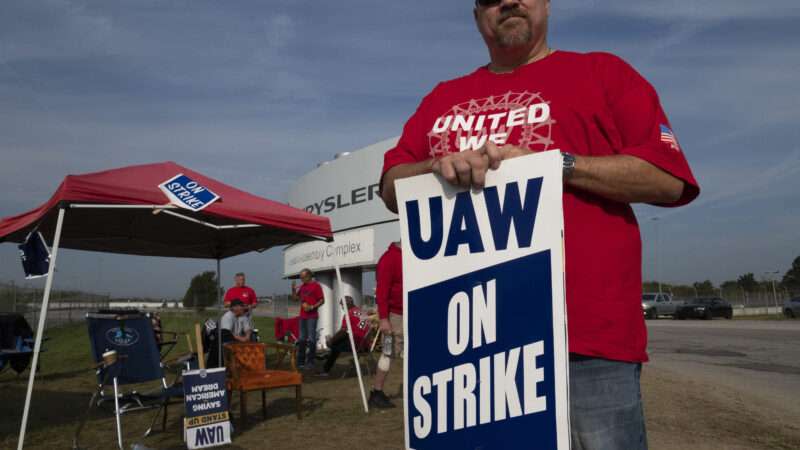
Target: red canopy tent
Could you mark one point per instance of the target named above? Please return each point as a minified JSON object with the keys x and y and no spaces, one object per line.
{"x":125,"y":211}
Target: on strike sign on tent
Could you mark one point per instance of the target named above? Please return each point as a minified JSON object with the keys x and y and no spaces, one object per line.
{"x":187,"y":193}
{"x":483,"y":273}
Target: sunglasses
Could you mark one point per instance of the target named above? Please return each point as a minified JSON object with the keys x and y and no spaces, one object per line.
{"x":486,"y":3}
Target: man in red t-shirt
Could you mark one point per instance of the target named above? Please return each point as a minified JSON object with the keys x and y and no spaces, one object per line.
{"x":241,"y":291}
{"x":618,"y":148}
{"x":340,"y":342}
{"x":389,"y":297}
{"x":310,"y":296}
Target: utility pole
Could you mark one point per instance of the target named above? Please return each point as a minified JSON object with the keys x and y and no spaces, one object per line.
{"x":774,"y":291}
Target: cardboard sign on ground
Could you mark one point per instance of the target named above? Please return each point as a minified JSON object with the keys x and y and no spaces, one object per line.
{"x":207,"y":422}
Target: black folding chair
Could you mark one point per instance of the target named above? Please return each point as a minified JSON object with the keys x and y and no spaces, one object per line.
{"x":138,"y":360}
{"x":16,"y":342}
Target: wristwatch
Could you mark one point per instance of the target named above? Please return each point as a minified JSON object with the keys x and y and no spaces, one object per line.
{"x":569,"y":164}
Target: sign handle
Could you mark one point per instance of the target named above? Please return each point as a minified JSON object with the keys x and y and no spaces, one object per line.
{"x":198,"y":335}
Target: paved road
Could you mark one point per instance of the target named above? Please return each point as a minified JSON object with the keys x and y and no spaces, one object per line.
{"x":760,"y":359}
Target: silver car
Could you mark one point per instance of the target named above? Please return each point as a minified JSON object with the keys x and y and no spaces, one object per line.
{"x":656,"y":304}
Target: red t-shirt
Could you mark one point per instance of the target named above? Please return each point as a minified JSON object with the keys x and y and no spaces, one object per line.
{"x":244,"y":293}
{"x":591,"y":104}
{"x":310,"y":293}
{"x":359,"y":322}
{"x":389,"y":282}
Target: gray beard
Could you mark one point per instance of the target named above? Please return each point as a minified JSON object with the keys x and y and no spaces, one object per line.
{"x":514,"y":37}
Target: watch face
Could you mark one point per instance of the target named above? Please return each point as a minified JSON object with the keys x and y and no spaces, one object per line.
{"x":569,"y":164}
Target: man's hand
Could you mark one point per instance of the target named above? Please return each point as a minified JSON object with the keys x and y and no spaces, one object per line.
{"x":245,"y":338}
{"x":386,"y":327}
{"x":468,"y":168}
{"x":465,"y":169}
{"x":505,"y":152}
{"x":305,"y":307}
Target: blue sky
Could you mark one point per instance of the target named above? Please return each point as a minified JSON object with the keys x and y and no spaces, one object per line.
{"x":256,"y":93}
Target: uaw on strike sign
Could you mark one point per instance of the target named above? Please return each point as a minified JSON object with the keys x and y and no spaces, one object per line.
{"x":486,"y":358}
{"x":207,"y":422}
{"x":187,"y":193}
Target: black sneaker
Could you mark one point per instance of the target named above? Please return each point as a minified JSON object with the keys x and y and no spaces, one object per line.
{"x":378,"y":399}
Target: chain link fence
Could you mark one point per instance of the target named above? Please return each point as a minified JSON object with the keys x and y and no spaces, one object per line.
{"x":757,"y":299}
{"x":764,"y":300}
{"x":282,"y":305}
{"x":65,"y":306}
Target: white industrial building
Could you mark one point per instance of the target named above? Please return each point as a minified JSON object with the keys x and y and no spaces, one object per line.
{"x":345,"y":190}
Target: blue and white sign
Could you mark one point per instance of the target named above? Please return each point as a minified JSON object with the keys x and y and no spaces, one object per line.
{"x":35,"y":256}
{"x":207,"y":422}
{"x":186,"y":193}
{"x":486,"y":343}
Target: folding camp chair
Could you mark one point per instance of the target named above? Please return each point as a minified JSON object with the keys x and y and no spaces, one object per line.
{"x":138,"y":360}
{"x":16,"y":342}
{"x":365,"y":350}
{"x":287,"y":330}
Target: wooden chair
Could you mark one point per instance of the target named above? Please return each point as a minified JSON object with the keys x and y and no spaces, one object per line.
{"x":246,"y":362}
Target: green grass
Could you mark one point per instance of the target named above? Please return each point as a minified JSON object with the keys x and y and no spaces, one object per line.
{"x":331,"y":407}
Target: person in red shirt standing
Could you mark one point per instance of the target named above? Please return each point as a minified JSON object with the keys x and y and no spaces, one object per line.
{"x":618,"y":148}
{"x":340,"y":342}
{"x":389,"y":297}
{"x":311,"y":298}
{"x":243,"y":292}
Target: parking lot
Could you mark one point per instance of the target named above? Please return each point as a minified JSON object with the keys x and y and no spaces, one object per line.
{"x":736,"y":384}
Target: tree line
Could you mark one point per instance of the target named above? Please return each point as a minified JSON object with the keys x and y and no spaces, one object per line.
{"x":202,"y":290}
{"x":747,"y":283}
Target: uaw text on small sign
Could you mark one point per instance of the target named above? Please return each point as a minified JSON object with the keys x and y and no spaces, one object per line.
{"x":207,"y":422}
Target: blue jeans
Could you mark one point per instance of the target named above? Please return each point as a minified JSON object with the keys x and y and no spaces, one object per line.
{"x":307,"y":340}
{"x":605,"y":405}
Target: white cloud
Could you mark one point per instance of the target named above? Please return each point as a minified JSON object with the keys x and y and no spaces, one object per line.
{"x":677,"y":10}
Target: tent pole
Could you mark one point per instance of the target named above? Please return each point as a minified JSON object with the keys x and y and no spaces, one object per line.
{"x":343,"y":305}
{"x":220,"y":297}
{"x":40,"y":330}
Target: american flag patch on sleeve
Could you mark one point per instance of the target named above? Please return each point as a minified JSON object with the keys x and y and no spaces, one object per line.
{"x":668,"y":137}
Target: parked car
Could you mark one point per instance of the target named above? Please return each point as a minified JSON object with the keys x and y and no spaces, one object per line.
{"x":791,"y":308}
{"x":705,"y":308}
{"x":656,"y":304}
